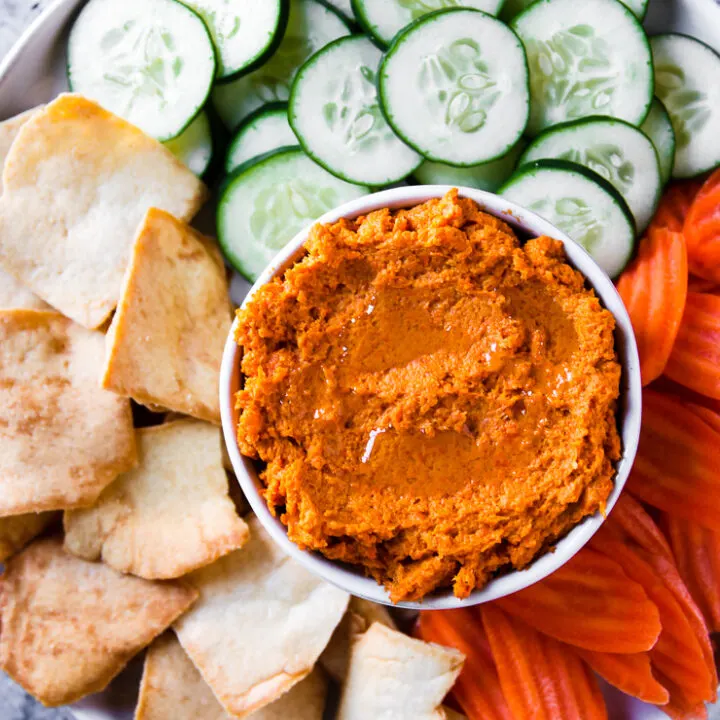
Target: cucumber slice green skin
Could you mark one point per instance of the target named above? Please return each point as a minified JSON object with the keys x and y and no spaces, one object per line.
{"x":194,"y":147}
{"x":383,"y":19}
{"x":264,"y":130}
{"x":512,"y":8}
{"x":342,"y":7}
{"x":586,"y":58}
{"x":268,"y":200}
{"x":488,"y":176}
{"x":224,"y":24}
{"x":311,"y":26}
{"x":658,"y":127}
{"x":619,"y":152}
{"x":582,"y":204}
{"x":464,"y":102}
{"x":335,"y":115}
{"x":151,"y":37}
{"x":686,"y":81}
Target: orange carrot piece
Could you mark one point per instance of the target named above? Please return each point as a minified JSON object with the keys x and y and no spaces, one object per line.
{"x":590,"y":603}
{"x":678,"y":707}
{"x":675,"y":204}
{"x":665,"y":385}
{"x":653,"y":289}
{"x":695,"y":358}
{"x":632,"y":674}
{"x":541,"y":678}
{"x":697,"y":284}
{"x":477,"y":689}
{"x":676,"y":468}
{"x":702,"y":230}
{"x":697,"y":554}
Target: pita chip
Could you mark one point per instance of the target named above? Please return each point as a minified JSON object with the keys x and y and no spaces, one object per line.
{"x":361,"y":614}
{"x":62,"y":438}
{"x":395,"y":676}
{"x":69,"y":626}
{"x":18,"y":530}
{"x":170,"y":515}
{"x":451,"y":714}
{"x":15,"y":295}
{"x":259,"y":625}
{"x":166,"y":339}
{"x":8,"y":132}
{"x":172,"y":688}
{"x":77,"y":182}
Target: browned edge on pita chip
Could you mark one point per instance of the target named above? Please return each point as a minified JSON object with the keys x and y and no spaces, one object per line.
{"x":16,"y":531}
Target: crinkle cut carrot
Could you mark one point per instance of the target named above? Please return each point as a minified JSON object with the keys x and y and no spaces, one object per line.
{"x":590,"y":603}
{"x":541,"y":678}
{"x":697,"y":554}
{"x":477,"y":689}
{"x":678,"y":708}
{"x":695,"y":358}
{"x":675,"y":204}
{"x":665,"y":385}
{"x":632,"y":674}
{"x":702,"y":230}
{"x":697,"y":284}
{"x":676,"y":468}
{"x":653,"y":289}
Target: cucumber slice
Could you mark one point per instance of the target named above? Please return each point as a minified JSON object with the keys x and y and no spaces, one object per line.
{"x":687,"y":80}
{"x":585,"y":58}
{"x":580,"y":203}
{"x":488,"y":176}
{"x":245,"y":33}
{"x":344,"y":7}
{"x":194,"y":146}
{"x":311,"y":26}
{"x":150,"y":61}
{"x":267,"y":201}
{"x":659,"y":129}
{"x":265,"y":130}
{"x":335,"y":114}
{"x":512,"y":8}
{"x":617,"y":151}
{"x":454,"y":86}
{"x":383,"y":19}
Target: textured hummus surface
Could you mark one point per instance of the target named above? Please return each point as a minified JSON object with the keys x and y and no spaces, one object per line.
{"x":428,"y":397}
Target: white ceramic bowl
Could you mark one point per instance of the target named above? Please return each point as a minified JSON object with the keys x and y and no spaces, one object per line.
{"x":353,"y":580}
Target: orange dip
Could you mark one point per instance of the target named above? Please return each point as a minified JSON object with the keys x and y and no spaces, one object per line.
{"x":430,"y":399}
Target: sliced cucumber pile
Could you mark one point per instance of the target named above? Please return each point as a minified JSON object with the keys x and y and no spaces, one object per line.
{"x":267,"y":201}
{"x":585,"y":58}
{"x":383,"y":19}
{"x":658,"y":127}
{"x":245,"y":33}
{"x":344,"y":7}
{"x":311,"y":26}
{"x":194,"y":147}
{"x":149,"y":61}
{"x":335,"y":114}
{"x":687,"y":80}
{"x":454,"y":86}
{"x":265,"y":130}
{"x":580,"y":203}
{"x":619,"y":152}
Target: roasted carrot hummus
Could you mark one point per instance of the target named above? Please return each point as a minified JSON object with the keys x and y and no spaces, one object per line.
{"x":429,"y":398}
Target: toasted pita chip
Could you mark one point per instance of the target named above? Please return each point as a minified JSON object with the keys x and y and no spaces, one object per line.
{"x":170,"y":515}
{"x":361,"y":614}
{"x":77,"y":182}
{"x":69,"y":626}
{"x":62,"y":438}
{"x":172,"y":688}
{"x":18,"y":530}
{"x":8,"y":132}
{"x":451,"y":714}
{"x":260,"y":624}
{"x":15,"y":295}
{"x":166,"y":340}
{"x":393,"y":675}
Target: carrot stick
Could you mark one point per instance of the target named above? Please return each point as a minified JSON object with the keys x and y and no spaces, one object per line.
{"x":697,"y":284}
{"x":632,"y":674}
{"x":675,"y":204}
{"x":676,"y":468}
{"x":653,"y":289}
{"x":477,"y":689}
{"x":695,"y":358}
{"x":702,"y":230}
{"x":589,"y":603}
{"x":665,"y":385}
{"x":540,"y":678}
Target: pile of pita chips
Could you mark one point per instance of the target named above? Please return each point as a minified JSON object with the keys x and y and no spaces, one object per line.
{"x":170,"y":515}
{"x":69,"y":626}
{"x":8,"y":132}
{"x":166,"y":340}
{"x":259,"y":625}
{"x":17,"y":531}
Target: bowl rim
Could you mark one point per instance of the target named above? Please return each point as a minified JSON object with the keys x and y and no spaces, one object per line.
{"x":353,"y":581}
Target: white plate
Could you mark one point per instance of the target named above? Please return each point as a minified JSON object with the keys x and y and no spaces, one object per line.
{"x":34,"y":72}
